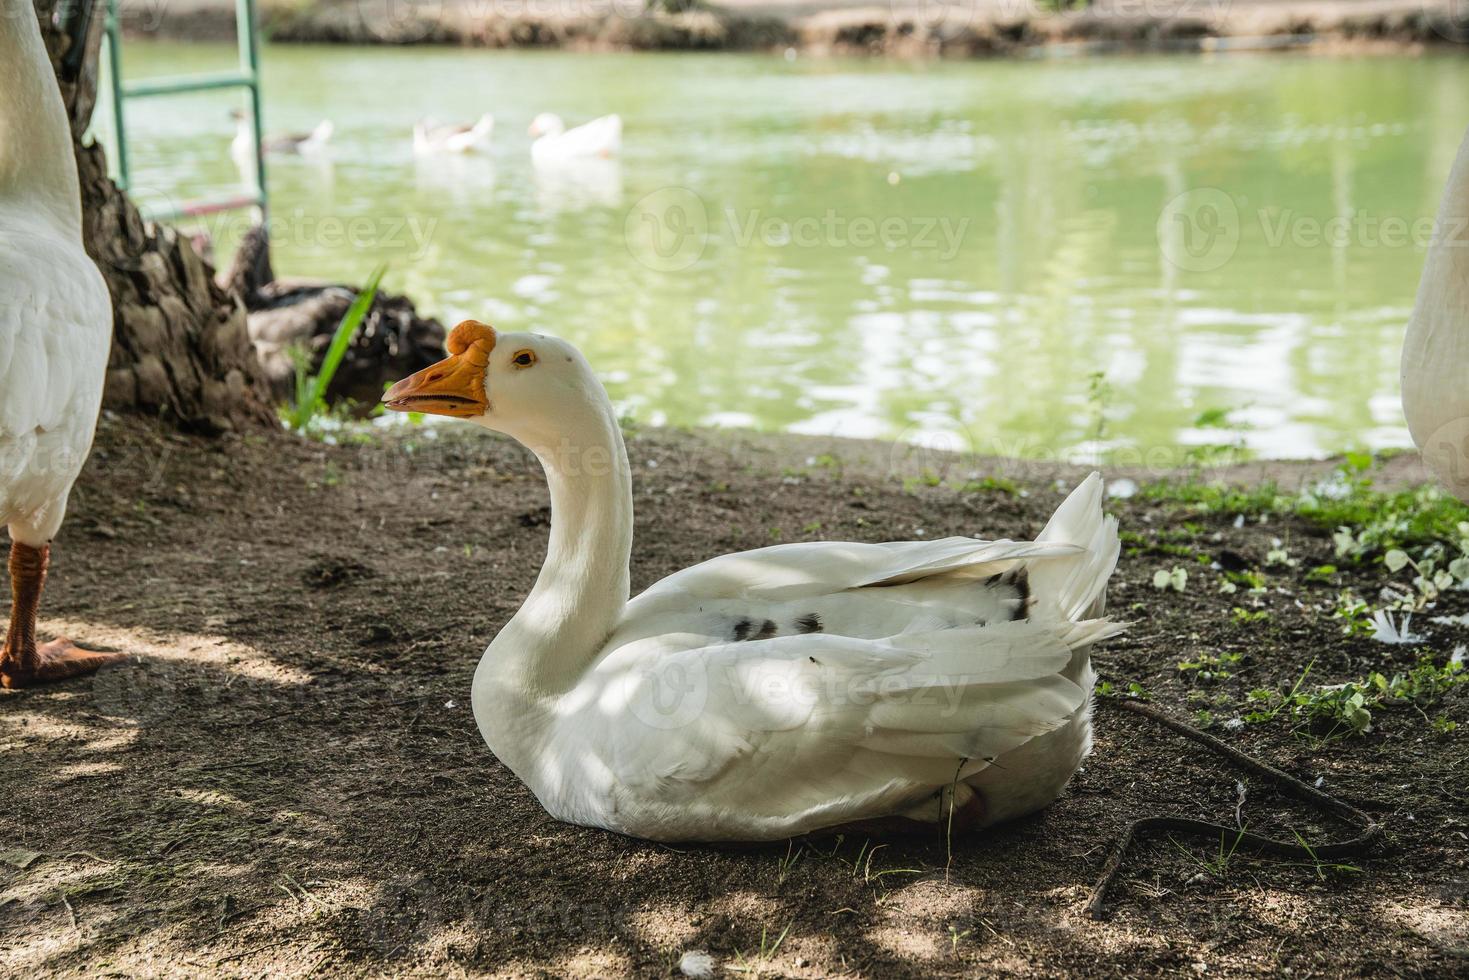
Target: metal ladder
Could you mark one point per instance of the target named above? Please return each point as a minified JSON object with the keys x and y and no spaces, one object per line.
{"x":247,"y":33}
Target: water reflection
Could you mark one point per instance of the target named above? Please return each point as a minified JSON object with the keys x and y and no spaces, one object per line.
{"x":917,"y":250}
{"x":577,"y":184}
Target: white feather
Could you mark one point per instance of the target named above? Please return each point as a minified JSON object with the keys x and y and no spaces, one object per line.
{"x":786,"y":689}
{"x":1436,"y":348}
{"x":602,"y":137}
{"x":55,"y":312}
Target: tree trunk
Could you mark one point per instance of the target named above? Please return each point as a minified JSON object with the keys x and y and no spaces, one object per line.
{"x":180,"y":349}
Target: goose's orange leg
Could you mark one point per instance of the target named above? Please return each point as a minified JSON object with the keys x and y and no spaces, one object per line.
{"x":23,"y":663}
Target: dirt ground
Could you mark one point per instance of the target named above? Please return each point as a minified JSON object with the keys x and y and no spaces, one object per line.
{"x":287,"y":781}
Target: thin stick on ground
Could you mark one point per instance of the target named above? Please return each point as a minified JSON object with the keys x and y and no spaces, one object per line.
{"x":1371,"y":829}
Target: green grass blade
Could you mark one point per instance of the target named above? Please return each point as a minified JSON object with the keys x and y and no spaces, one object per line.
{"x":351,"y":320}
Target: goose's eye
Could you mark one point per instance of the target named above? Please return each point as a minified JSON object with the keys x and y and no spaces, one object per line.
{"x":524,"y":359}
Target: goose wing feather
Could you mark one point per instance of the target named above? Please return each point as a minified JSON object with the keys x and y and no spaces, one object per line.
{"x":54,"y":318}
{"x":798,"y":732}
{"x":794,"y":571}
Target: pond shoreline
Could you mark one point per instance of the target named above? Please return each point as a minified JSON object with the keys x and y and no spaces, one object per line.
{"x":982,"y":28}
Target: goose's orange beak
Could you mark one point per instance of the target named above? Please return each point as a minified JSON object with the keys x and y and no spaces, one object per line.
{"x":456,"y":385}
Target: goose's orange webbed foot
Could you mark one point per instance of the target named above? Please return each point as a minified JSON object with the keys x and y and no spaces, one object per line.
{"x":24,"y":662}
{"x":58,"y":660}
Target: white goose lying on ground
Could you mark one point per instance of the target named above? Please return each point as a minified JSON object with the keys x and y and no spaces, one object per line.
{"x":554,"y":143}
{"x":1435,"y":368}
{"x":773,"y":692}
{"x":431,"y":137}
{"x":55,"y":334}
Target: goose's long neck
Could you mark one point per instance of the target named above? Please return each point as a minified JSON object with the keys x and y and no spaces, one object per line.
{"x":583,"y":586}
{"x":37,"y":168}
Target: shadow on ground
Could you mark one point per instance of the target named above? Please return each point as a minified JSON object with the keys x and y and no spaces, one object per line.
{"x":287,"y":778}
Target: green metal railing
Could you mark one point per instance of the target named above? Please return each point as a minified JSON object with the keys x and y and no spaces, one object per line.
{"x":247,"y":32}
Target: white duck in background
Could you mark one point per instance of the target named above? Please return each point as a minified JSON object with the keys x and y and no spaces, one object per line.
{"x":773,"y":692}
{"x":1435,"y":368}
{"x":554,"y":143}
{"x":314,"y":144}
{"x":431,"y":137}
{"x":55,"y":334}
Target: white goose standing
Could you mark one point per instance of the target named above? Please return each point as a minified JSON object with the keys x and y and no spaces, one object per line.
{"x":55,"y":330}
{"x":1435,"y":368}
{"x":778,"y":691}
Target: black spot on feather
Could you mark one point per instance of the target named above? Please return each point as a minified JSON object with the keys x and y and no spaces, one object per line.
{"x":809,"y":623}
{"x":745,"y":629}
{"x":1021,"y":582}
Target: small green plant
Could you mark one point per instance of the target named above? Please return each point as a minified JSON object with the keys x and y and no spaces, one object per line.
{"x":310,"y":404}
{"x":1209,"y":668}
{"x":1247,"y":617}
{"x":1217,"y":499}
{"x":787,"y":864}
{"x":990,"y":484}
{"x":1366,"y":522}
{"x":825,"y":461}
{"x":1176,"y":580}
{"x":1106,"y":689}
{"x":1423,"y":684}
{"x":1252,"y":580}
{"x":1355,"y":615}
{"x":1430,"y":581}
{"x":1219,"y":453}
{"x":928,"y":478}
{"x":1217,"y":866}
{"x":1140,"y":544}
{"x":1098,"y":400}
{"x":1346,"y":709}
{"x":1319,"y":866}
{"x":1279,"y":557}
{"x":1271,"y":702}
{"x":862,"y":865}
{"x":757,"y":962}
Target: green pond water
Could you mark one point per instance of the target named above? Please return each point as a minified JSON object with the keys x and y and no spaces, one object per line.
{"x":945,"y":252}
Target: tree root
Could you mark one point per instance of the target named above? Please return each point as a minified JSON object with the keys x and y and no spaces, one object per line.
{"x":1371,"y":829}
